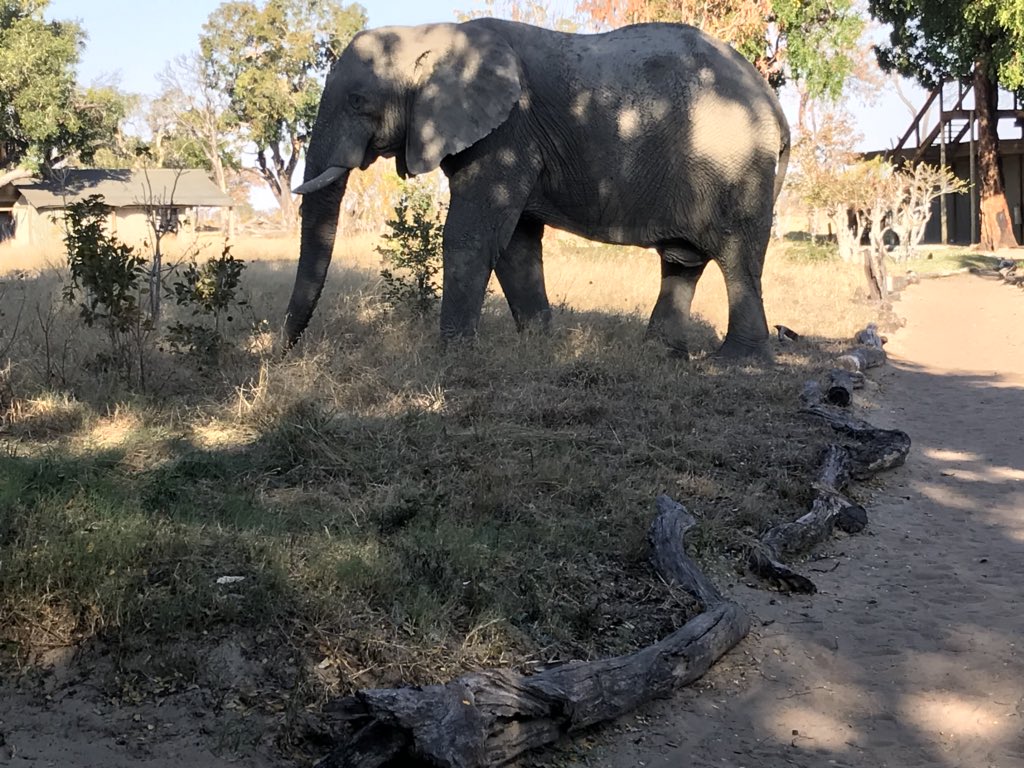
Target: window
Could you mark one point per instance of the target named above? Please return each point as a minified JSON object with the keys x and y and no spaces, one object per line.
{"x":167,"y":220}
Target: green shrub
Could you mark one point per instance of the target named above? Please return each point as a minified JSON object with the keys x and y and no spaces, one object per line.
{"x":211,"y":291}
{"x":412,"y":252}
{"x":107,"y":280}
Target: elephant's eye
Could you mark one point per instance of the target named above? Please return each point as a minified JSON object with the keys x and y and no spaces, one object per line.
{"x":358,"y":102}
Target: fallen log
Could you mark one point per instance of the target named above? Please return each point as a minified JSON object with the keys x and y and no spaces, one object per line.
{"x":489,"y":718}
{"x":840,"y":388}
{"x":861,"y":358}
{"x":789,"y":539}
{"x":878,"y":450}
{"x":870,"y":337}
{"x":1007,"y":270}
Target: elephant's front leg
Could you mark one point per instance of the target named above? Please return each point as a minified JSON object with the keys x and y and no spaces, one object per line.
{"x":483,"y":214}
{"x":671,"y":316}
{"x":520,"y":270}
{"x":468,"y":256}
{"x":475,"y":232}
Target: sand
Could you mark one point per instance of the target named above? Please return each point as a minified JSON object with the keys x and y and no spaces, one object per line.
{"x":912,"y":654}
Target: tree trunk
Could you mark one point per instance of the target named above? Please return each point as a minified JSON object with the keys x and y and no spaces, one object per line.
{"x":996,"y":226}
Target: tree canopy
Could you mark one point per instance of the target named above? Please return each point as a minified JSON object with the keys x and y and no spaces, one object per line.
{"x":811,"y":41}
{"x":46,"y":119}
{"x":270,"y":59}
{"x":935,"y":40}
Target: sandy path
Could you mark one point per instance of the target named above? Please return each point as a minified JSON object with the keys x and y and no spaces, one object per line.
{"x":913,"y":652}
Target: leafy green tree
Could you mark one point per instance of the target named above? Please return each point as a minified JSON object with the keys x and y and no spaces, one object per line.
{"x":46,"y":119}
{"x":812,"y":41}
{"x":211,"y":291}
{"x":107,"y":279}
{"x":271,"y":60}
{"x":980,"y":41}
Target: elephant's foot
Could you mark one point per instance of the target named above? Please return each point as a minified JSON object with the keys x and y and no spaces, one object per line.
{"x":538,"y":321}
{"x":735,"y":350}
{"x":674,"y":342}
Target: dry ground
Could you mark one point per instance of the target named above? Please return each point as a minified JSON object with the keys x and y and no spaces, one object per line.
{"x":398,"y":513}
{"x":912,"y":655}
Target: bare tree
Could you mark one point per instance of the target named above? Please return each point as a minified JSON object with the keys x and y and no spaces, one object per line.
{"x":918,"y":186}
{"x":194,"y":113}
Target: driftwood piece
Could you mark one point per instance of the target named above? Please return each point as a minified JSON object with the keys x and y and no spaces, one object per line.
{"x":811,"y":393}
{"x":489,"y":718}
{"x":878,"y":450}
{"x":786,"y":334}
{"x":861,"y":358}
{"x":793,"y":538}
{"x":852,"y":519}
{"x":870,"y":337}
{"x":1007,"y":270}
{"x":875,"y":272}
{"x":840,"y":388}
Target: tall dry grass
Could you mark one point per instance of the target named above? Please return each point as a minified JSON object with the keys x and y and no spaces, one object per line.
{"x":398,"y":511}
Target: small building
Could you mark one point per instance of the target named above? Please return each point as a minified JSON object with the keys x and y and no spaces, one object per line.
{"x":952,"y":142}
{"x":174,"y":200}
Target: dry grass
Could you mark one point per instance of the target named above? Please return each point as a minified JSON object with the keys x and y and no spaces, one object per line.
{"x":398,"y":512}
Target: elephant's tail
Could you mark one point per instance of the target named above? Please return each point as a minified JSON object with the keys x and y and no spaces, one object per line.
{"x":783,"y":164}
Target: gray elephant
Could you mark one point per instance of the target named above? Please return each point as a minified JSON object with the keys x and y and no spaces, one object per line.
{"x":654,"y":135}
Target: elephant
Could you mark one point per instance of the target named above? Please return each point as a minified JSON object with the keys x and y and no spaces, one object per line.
{"x":653,"y":135}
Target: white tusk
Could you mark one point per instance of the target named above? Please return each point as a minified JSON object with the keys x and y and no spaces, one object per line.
{"x":325,"y":179}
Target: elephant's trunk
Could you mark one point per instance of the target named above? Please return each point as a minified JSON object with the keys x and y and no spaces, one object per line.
{"x":319,"y":227}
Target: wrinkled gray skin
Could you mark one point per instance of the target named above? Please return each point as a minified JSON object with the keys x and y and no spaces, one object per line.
{"x":654,"y":135}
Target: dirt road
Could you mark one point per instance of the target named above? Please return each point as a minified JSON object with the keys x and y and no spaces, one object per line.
{"x":913,"y":652}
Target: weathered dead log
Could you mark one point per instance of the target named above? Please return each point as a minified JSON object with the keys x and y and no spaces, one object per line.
{"x":790,"y":539}
{"x":786,"y":334}
{"x":852,"y":519}
{"x":489,"y":718}
{"x":840,"y":388}
{"x":1006,"y":270}
{"x":870,"y":337}
{"x":878,"y":450}
{"x":861,"y":358}
{"x":811,"y":393}
{"x":875,"y":272}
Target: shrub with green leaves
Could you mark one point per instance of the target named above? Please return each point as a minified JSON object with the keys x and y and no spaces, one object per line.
{"x":412,"y":252}
{"x":107,"y":276}
{"x":211,"y":291}
{"x":107,"y":281}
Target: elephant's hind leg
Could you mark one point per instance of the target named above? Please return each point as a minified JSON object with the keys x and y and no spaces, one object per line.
{"x":681,"y":268}
{"x":742,"y":261}
{"x":520,"y":271}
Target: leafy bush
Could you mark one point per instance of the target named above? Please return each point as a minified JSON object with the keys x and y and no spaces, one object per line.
{"x":412,"y":252}
{"x":106,"y":274}
{"x":107,"y":279}
{"x":211,"y":291}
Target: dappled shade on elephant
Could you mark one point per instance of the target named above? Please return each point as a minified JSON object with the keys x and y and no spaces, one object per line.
{"x":654,"y":135}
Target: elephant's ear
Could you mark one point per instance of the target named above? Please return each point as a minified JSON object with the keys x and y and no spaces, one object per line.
{"x":466,"y":87}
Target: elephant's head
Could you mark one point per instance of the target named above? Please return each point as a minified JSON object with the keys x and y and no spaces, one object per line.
{"x":417,"y":94}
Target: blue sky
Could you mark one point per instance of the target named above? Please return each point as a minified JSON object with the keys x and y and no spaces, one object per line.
{"x":136,"y":39}
{"x":133,"y":45}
